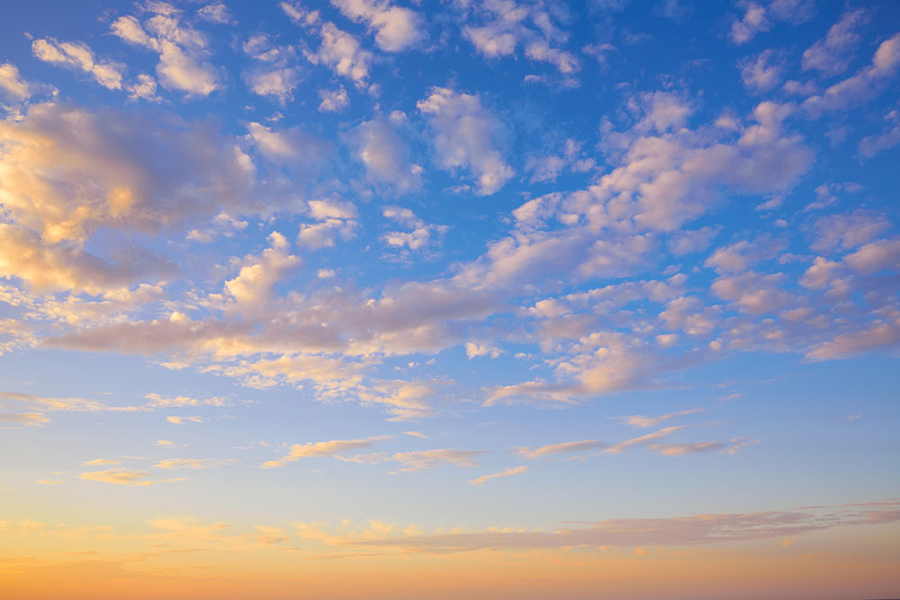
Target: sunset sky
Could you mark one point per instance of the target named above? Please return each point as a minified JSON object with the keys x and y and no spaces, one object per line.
{"x":450,"y":299}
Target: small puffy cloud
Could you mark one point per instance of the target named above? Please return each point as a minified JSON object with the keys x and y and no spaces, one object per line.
{"x":833,"y":54}
{"x":384,"y":154}
{"x":343,"y":54}
{"x":275,"y":73}
{"x":504,"y":473}
{"x":862,"y":86}
{"x":78,"y":56}
{"x":287,"y":146}
{"x":465,"y":137}
{"x":474,"y":350}
{"x":144,"y":88}
{"x":762,"y":73}
{"x":333,"y":100}
{"x":396,"y":28}
{"x":12,"y":86}
{"x":563,"y":448}
{"x":160,"y":401}
{"x":642,"y":440}
{"x":252,"y":288}
{"x":762,"y":16}
{"x":216,"y":13}
{"x":191,"y":463}
{"x":335,"y":218}
{"x":871,"y":145}
{"x":183,"y":51}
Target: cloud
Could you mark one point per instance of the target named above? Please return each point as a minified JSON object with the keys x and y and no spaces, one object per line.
{"x":333,"y":448}
{"x":124,"y":477}
{"x":760,"y":74}
{"x":396,"y":28}
{"x":251,"y":289}
{"x":642,"y":421}
{"x":673,"y":531}
{"x":563,"y":448}
{"x":333,"y":100}
{"x":216,"y":13}
{"x":871,"y":145}
{"x":183,"y":51}
{"x":78,"y":56}
{"x":384,"y":155}
{"x":862,"y":86}
{"x":833,"y":54}
{"x":504,"y":473}
{"x":465,"y":137}
{"x":504,"y":26}
{"x":343,"y":54}
{"x":275,"y":73}
{"x":423,"y":460}
{"x":12,"y":85}
{"x":759,"y":17}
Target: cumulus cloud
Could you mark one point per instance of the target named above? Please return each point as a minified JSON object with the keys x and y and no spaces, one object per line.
{"x":423,"y":460}
{"x":333,"y":100}
{"x":78,"y":56}
{"x":762,"y":16}
{"x":183,"y":51}
{"x":762,"y":73}
{"x":396,"y":28}
{"x":833,"y":54}
{"x":642,"y":421}
{"x":673,"y":531}
{"x":125,"y":477}
{"x":275,"y":73}
{"x":865,"y":84}
{"x":12,"y":86}
{"x":465,"y":137}
{"x":384,"y":155}
{"x":505,"y":26}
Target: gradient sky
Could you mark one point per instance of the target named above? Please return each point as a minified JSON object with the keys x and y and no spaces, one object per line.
{"x":449,"y":299}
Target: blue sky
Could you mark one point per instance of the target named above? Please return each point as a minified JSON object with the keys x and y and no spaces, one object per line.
{"x":462,"y":265}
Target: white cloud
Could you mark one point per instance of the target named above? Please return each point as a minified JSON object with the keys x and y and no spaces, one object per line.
{"x":333,"y":100}
{"x":384,"y":154}
{"x":465,"y":136}
{"x":183,"y":51}
{"x":216,"y":13}
{"x":862,"y":86}
{"x":762,"y":73}
{"x":396,"y":28}
{"x":12,"y":84}
{"x":833,"y":54}
{"x":78,"y":56}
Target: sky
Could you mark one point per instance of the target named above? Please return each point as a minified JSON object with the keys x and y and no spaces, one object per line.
{"x":449,"y":299}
